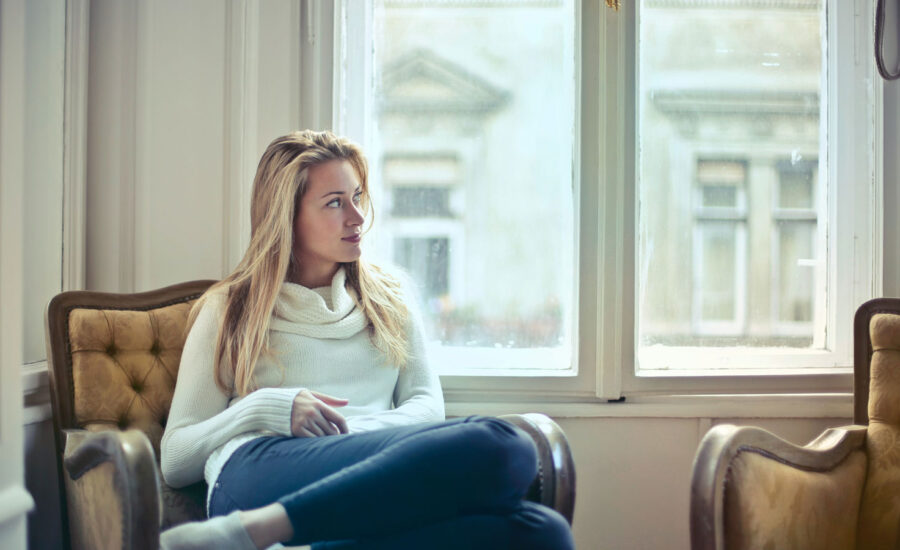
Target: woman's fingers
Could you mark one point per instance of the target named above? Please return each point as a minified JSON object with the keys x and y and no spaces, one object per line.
{"x":303,"y":432}
{"x":311,"y":415}
{"x":329,"y":399}
{"x":313,"y":427}
{"x":326,"y":426}
{"x":335,"y":418}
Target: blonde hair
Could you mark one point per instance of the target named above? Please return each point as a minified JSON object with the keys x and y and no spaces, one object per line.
{"x":250,"y":291}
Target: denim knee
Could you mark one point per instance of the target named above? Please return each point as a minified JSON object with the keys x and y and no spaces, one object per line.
{"x":537,"y":527}
{"x":509,"y":454}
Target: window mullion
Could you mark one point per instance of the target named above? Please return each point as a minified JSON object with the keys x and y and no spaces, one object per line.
{"x":614,"y":152}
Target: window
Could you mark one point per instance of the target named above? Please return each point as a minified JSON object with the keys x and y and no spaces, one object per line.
{"x":795,"y":224}
{"x":473,"y":107}
{"x":582,"y":199}
{"x":719,"y":287}
{"x":738,"y":276}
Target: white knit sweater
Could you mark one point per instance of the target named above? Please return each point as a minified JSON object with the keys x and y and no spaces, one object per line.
{"x":319,"y":337}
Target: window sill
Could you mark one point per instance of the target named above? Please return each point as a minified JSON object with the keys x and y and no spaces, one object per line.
{"x":36,"y":392}
{"x":745,"y":372}
{"x":820,"y":405}
{"x":34,"y":377}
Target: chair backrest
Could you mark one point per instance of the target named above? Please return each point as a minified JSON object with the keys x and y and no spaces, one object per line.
{"x":877,"y":403}
{"x":113,"y":361}
{"x":863,"y":349}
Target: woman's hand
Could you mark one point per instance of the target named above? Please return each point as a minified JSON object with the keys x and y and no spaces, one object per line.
{"x":312,"y":415}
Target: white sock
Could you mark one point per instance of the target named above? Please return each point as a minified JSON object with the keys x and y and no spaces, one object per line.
{"x":219,"y":533}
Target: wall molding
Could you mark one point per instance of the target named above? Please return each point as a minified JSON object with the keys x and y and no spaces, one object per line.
{"x":241,"y":123}
{"x":75,"y":143}
{"x":129,"y":41}
{"x":318,"y":23}
{"x":142,"y":187}
{"x":36,"y":393}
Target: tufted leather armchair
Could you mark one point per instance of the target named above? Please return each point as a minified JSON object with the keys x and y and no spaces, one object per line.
{"x":113,"y":362}
{"x":752,"y":490}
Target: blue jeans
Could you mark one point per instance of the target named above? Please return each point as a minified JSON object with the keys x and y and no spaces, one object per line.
{"x":453,"y":484}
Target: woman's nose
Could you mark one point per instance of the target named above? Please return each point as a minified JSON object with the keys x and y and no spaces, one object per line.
{"x":356,"y":217}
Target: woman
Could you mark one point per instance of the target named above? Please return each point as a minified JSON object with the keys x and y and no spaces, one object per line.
{"x":304,"y":393}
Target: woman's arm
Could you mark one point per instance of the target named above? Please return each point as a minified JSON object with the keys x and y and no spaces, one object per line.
{"x":200,"y":419}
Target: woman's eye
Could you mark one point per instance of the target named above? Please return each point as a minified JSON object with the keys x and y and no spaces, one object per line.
{"x":336,"y":203}
{"x":357,"y":198}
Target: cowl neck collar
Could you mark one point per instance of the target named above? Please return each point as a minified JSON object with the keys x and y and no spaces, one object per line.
{"x":301,"y":310}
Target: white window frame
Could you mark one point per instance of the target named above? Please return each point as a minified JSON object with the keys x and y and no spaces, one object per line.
{"x":605,"y":334}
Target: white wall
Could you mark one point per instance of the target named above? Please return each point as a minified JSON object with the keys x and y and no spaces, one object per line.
{"x":43,"y":200}
{"x":15,"y":500}
{"x":183,"y":98}
{"x":633,"y":475}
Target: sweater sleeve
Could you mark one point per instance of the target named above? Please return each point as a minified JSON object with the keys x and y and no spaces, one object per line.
{"x":417,"y":395}
{"x":200,"y":419}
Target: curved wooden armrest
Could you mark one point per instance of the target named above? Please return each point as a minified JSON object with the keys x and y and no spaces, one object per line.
{"x":723,"y":443}
{"x":554,"y":485}
{"x":113,"y":485}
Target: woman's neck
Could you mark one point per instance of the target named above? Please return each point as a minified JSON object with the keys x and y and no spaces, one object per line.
{"x":313,"y":275}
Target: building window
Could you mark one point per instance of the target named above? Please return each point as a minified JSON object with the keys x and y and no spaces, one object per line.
{"x":720,"y":248}
{"x":420,"y":202}
{"x":428,"y":260}
{"x":795,"y":219}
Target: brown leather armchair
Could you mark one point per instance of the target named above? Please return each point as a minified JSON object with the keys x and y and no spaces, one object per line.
{"x":752,"y":490}
{"x":113,"y":362}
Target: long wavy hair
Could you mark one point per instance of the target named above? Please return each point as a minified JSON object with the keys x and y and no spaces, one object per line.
{"x":250,"y":291}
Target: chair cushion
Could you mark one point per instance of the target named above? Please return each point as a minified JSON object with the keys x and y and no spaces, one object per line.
{"x":124,"y":367}
{"x":879,"y":518}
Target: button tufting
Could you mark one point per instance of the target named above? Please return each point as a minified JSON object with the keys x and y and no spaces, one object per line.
{"x":123,"y":423}
{"x":155,"y":349}
{"x":111,"y":349}
{"x":137,"y":386}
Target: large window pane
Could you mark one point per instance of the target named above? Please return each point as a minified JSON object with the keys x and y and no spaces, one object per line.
{"x":472,"y":163}
{"x":729,"y":145}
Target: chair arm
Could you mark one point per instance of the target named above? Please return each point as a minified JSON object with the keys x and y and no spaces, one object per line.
{"x":554,"y":485}
{"x":112,"y":486}
{"x":732,"y":459}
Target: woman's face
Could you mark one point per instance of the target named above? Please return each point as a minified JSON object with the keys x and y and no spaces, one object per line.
{"x":328,"y":225}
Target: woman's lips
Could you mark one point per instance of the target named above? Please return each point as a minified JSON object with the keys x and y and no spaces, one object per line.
{"x":352,"y":238}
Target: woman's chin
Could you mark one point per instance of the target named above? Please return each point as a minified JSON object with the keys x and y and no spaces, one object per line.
{"x":352,"y":256}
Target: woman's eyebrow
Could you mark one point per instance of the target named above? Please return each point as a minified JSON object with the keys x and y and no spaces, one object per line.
{"x":332,"y":193}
